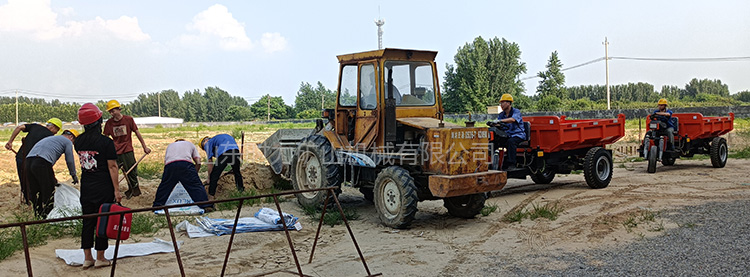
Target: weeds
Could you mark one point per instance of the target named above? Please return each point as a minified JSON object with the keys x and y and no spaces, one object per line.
{"x":514,"y":216}
{"x":333,"y":216}
{"x":646,"y":217}
{"x":741,"y":154}
{"x":576,"y":172}
{"x":488,"y":209}
{"x":146,"y":223}
{"x":549,"y":211}
{"x":12,"y":241}
{"x":150,"y":170}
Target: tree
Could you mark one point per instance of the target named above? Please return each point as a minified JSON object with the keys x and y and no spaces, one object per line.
{"x":484,"y":70}
{"x":743,"y":96}
{"x":278,"y":109}
{"x":309,"y":98}
{"x":695,"y":87}
{"x":549,"y":103}
{"x":553,"y":80}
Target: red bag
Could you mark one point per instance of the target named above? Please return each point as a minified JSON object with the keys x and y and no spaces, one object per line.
{"x":107,"y":226}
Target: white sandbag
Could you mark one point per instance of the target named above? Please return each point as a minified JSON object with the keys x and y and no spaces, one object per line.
{"x":75,"y":257}
{"x":67,"y":203}
{"x":180,"y":196}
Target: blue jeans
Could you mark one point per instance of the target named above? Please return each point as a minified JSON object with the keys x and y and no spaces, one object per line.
{"x":183,"y":172}
{"x":512,"y":147}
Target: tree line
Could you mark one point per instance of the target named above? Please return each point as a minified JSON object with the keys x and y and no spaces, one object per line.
{"x":483,"y":70}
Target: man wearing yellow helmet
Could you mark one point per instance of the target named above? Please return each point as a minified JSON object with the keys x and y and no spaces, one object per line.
{"x":39,"y":172}
{"x":510,"y":121}
{"x":120,"y":127}
{"x":664,"y":116}
{"x":36,"y":133}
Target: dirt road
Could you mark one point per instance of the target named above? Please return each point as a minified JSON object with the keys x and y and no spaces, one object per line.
{"x":439,"y":244}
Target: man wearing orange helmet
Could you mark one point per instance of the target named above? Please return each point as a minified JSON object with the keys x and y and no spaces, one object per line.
{"x":120,"y":127}
{"x":664,"y":116}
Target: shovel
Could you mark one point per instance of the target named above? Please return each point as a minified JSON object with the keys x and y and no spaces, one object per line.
{"x":132,"y":167}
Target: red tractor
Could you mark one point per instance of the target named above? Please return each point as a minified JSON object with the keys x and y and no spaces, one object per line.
{"x":695,"y":134}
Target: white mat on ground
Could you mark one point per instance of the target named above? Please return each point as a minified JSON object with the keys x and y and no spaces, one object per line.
{"x":67,"y":203}
{"x":75,"y":257}
{"x":264,"y":220}
{"x":180,"y":196}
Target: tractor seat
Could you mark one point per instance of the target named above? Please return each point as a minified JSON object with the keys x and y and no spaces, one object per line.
{"x":527,"y":130}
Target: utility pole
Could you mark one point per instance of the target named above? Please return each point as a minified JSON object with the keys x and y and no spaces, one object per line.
{"x":606,"y":62}
{"x":380,"y":22}
{"x":158,"y":101}
{"x":322,"y":101}
{"x":269,"y":108}
{"x":16,"y":108}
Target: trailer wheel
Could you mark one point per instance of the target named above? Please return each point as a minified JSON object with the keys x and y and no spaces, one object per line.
{"x":597,"y":168}
{"x":465,"y":206}
{"x":719,"y":152}
{"x":543,"y":177}
{"x":652,"y":159}
{"x":314,"y":166}
{"x":395,"y":197}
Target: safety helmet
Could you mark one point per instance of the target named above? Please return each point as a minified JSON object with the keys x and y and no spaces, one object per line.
{"x":89,"y":113}
{"x":662,"y":101}
{"x":112,"y":104}
{"x":73,"y":132}
{"x":506,"y":97}
{"x":203,"y":142}
{"x":55,"y":121}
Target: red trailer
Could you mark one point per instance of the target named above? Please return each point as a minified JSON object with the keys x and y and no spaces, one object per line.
{"x":559,"y":145}
{"x":695,"y":134}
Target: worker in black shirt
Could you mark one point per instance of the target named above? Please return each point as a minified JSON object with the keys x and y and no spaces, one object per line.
{"x":36,"y":133}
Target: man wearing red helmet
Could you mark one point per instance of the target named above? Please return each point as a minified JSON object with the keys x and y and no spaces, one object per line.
{"x":99,"y":183}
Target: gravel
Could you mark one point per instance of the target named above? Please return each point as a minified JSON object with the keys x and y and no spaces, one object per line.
{"x":712,"y":240}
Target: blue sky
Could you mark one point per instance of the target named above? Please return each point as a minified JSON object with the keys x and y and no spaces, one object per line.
{"x":89,"y":50}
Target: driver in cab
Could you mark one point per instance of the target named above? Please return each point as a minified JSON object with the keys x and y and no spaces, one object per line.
{"x":664,"y":117}
{"x":511,"y":133}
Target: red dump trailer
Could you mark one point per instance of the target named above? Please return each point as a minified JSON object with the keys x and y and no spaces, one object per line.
{"x":695,"y":134}
{"x":559,"y":145}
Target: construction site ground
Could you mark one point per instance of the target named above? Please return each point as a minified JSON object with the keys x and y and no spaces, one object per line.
{"x":436,"y":244}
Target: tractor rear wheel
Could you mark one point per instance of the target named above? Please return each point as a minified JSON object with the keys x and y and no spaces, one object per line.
{"x":597,"y":168}
{"x":652,"y":159}
{"x":465,"y":206}
{"x":314,"y":166}
{"x":395,"y":197}
{"x":543,"y":177}
{"x":719,"y":152}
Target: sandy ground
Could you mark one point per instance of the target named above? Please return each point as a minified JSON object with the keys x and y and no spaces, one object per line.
{"x":437,"y":244}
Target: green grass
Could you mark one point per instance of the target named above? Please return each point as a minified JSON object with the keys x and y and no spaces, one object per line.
{"x":333,"y":216}
{"x":488,"y":209}
{"x":147,"y":223}
{"x":515,"y":216}
{"x":549,"y":211}
{"x":150,"y":170}
{"x":741,"y":154}
{"x":12,"y":241}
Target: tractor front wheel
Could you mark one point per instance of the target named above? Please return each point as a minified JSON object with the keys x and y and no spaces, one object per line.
{"x":543,"y":177}
{"x":652,"y":159}
{"x":314,"y":166}
{"x":465,"y":206}
{"x":395,"y":197}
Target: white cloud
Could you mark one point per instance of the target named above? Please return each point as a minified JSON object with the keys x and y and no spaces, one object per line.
{"x":273,"y":42}
{"x":217,"y":22}
{"x":37,"y":19}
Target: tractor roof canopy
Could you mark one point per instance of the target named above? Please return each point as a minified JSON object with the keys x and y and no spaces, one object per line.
{"x":389,"y":54}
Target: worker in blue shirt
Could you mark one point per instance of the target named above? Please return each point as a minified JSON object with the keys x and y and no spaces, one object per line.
{"x":510,"y":121}
{"x":224,"y":148}
{"x":664,"y":116}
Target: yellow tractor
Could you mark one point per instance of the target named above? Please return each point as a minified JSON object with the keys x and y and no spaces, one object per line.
{"x":387,"y":137}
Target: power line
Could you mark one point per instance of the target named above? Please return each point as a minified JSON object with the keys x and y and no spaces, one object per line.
{"x":567,"y":68}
